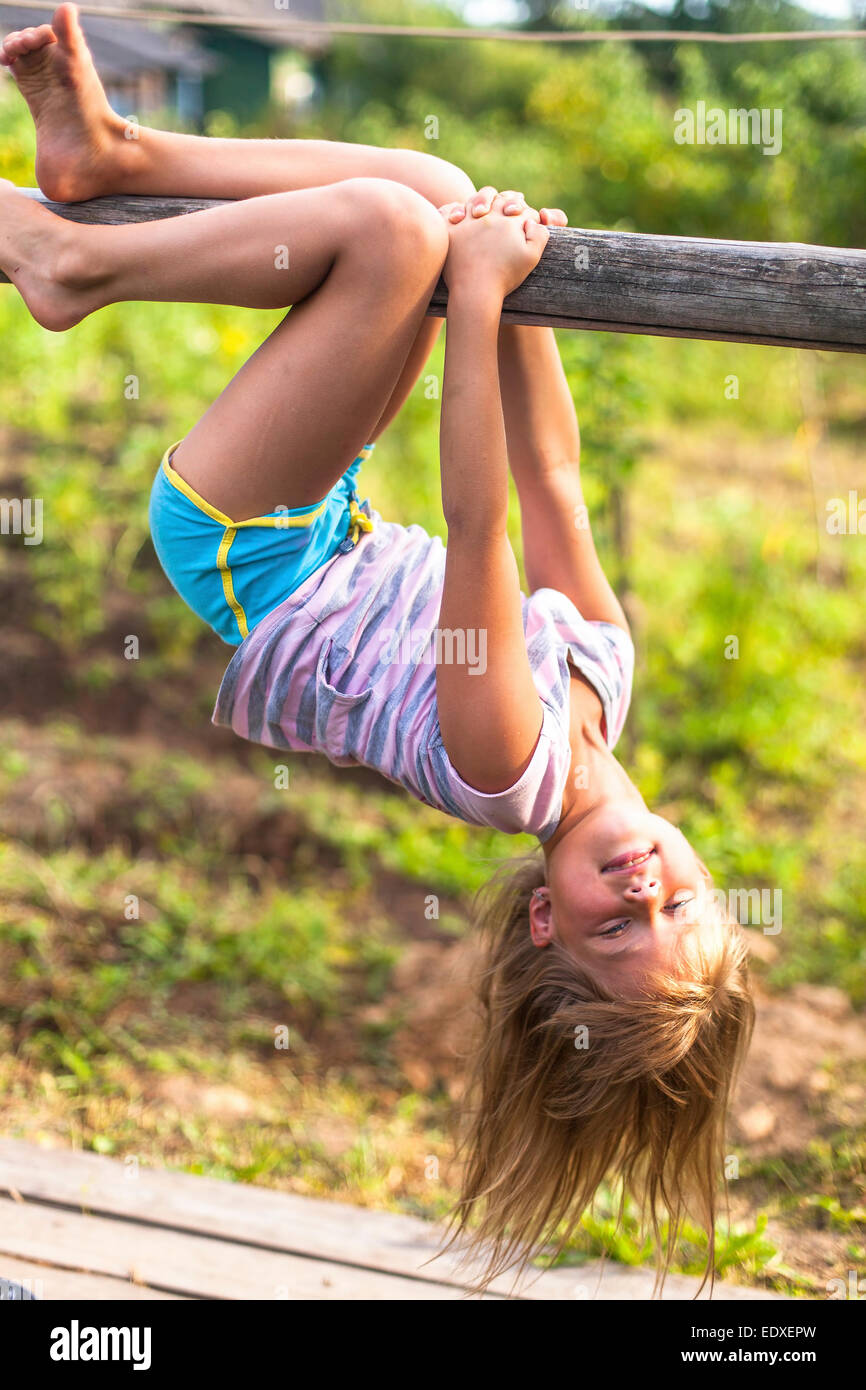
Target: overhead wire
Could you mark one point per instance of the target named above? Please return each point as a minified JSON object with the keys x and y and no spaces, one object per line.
{"x":312,"y":28}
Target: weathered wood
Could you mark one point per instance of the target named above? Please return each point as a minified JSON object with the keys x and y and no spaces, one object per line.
{"x":786,"y":294}
{"x":50,"y":1284}
{"x":195,"y":1266}
{"x":113,"y":212}
{"x":308,"y":1227}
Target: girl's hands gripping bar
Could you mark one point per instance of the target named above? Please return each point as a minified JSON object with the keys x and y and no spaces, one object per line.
{"x":481,"y":202}
{"x":493,"y":250}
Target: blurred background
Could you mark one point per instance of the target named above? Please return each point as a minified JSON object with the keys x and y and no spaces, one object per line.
{"x":210,"y":970}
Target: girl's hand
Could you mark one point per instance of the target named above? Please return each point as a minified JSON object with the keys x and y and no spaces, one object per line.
{"x":481,"y":202}
{"x":494,"y":249}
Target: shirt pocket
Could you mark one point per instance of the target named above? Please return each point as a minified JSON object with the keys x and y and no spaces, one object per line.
{"x":342,"y":716}
{"x":336,"y":674}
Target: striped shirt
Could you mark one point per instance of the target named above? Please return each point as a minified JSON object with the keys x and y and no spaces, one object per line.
{"x":347,"y":667}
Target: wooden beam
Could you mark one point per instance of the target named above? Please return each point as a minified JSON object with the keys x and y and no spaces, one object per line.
{"x":787,"y":294}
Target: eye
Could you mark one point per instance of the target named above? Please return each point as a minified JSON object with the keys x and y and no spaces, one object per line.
{"x":680,"y":902}
{"x":616,"y":930}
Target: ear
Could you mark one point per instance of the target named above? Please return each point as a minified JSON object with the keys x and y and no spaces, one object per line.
{"x":541,"y":917}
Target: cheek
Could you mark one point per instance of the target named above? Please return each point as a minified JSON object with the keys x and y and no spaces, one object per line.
{"x":575,"y":904}
{"x":678,"y":852}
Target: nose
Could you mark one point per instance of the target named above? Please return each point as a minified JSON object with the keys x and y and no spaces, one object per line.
{"x":643,"y":890}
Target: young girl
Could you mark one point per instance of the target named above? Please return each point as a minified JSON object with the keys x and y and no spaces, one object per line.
{"x":616,"y":1003}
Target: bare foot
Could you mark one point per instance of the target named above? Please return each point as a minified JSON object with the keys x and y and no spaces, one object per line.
{"x":77,"y":133}
{"x":45,"y":257}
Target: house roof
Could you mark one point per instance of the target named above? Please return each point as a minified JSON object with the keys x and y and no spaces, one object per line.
{"x":253,"y":9}
{"x":122,"y":47}
{"x":277,"y":35}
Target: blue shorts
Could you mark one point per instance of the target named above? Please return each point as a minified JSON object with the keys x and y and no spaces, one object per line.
{"x":233,"y":573}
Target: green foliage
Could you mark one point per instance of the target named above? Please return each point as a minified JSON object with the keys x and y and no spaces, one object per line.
{"x":613,"y":1228}
{"x":591,"y":129}
{"x":707,"y":508}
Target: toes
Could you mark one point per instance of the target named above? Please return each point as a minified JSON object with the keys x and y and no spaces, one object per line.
{"x":65,"y":24}
{"x":11,"y":46}
{"x":38,"y":38}
{"x":24,"y":41}
{"x":29,"y":39}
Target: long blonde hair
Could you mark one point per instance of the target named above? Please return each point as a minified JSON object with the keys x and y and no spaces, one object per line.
{"x":640,"y":1096}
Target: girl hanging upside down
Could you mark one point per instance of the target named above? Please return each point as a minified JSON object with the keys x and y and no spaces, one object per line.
{"x":616,"y":1000}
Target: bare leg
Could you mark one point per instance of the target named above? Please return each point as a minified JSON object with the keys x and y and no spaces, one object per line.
{"x":362,"y":259}
{"x":84,"y":149}
{"x":83,"y":152}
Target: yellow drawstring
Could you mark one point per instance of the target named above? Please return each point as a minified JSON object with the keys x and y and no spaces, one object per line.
{"x":358,"y":522}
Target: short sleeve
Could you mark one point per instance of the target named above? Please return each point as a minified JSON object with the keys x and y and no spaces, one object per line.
{"x":617,"y":660}
{"x":560,"y":636}
{"x":533,"y":805}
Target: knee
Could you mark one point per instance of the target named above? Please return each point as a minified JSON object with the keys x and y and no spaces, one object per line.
{"x":404,"y":225}
{"x":440,"y":181}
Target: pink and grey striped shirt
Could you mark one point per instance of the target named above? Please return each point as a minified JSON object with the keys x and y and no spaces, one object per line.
{"x":347,"y":667}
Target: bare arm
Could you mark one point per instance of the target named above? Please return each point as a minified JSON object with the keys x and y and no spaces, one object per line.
{"x":491,"y":718}
{"x":544,"y":454}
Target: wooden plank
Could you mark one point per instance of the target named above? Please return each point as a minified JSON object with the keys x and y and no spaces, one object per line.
{"x":785,"y":294}
{"x":49,"y":1284}
{"x":193,"y":1266}
{"x":311,"y":1226}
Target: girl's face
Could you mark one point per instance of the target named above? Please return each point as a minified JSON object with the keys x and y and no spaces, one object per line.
{"x":624,"y":886}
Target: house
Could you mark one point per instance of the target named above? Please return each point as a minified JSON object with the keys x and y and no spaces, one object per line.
{"x":242,"y":81}
{"x":188,"y":69}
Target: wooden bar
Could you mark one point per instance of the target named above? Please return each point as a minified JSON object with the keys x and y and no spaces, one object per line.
{"x":786,"y":294}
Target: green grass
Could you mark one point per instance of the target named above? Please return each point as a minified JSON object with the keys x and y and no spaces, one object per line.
{"x":165,"y":910}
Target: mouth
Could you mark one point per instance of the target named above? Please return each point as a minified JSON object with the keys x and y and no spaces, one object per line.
{"x":629,"y":861}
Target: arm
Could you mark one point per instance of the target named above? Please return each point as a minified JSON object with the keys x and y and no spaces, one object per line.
{"x":544,"y":453}
{"x":490,"y":714}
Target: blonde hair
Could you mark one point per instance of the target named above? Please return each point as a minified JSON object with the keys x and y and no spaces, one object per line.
{"x":644,"y":1103}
